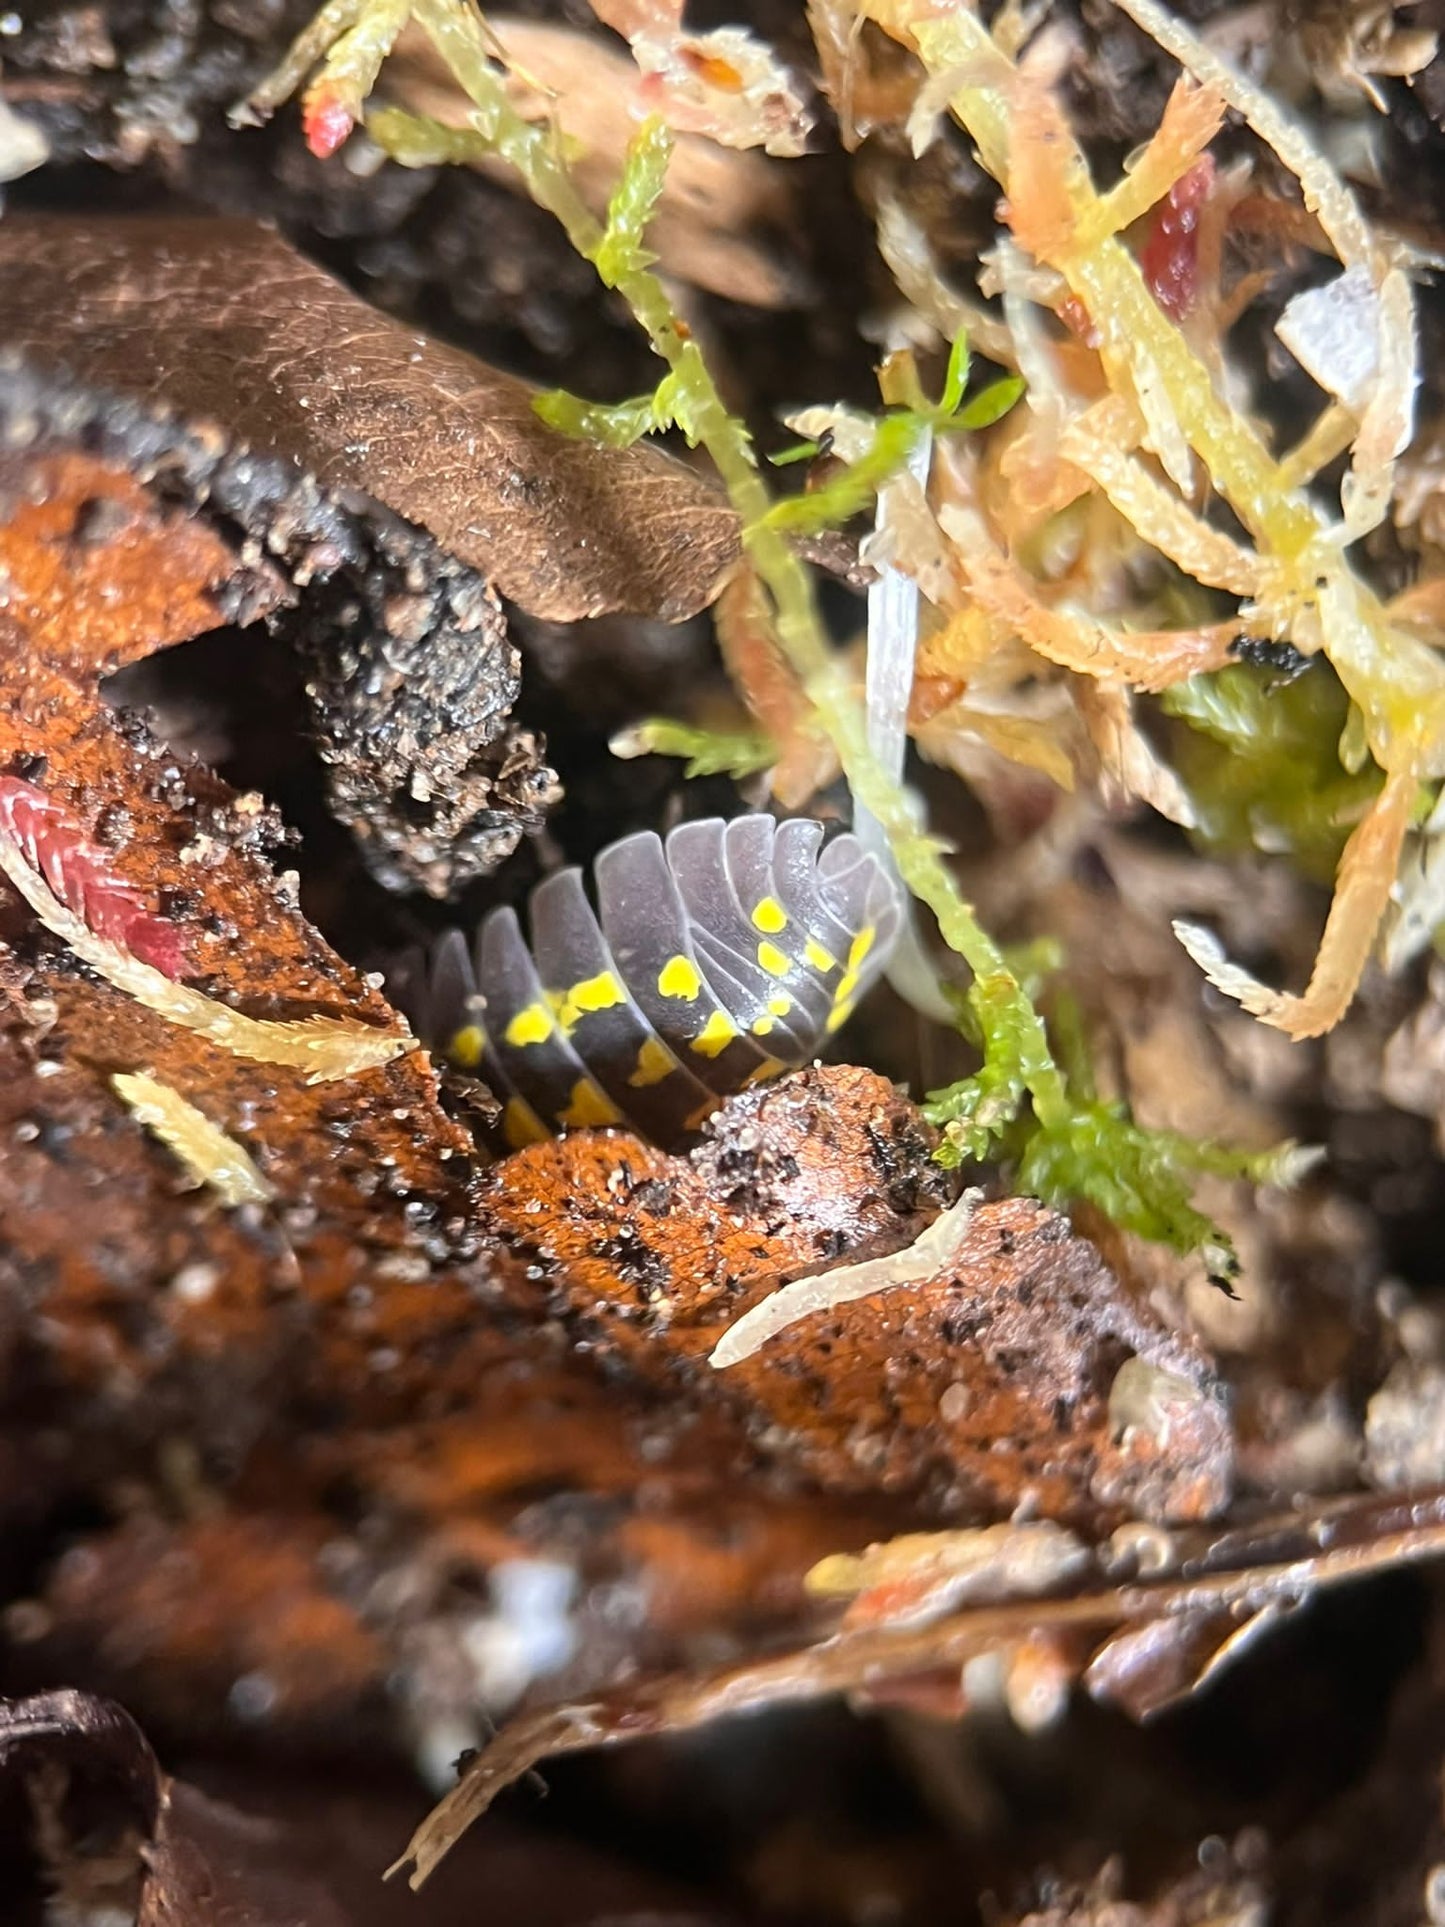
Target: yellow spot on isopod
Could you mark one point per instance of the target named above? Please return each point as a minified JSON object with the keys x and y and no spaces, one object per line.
{"x":531,"y":1025}
{"x":466,"y":1045}
{"x":602,"y":992}
{"x":697,"y":1118}
{"x":521,"y":1125}
{"x":862,"y":944}
{"x":770,"y":917}
{"x":760,"y":1026}
{"x":590,"y":1105}
{"x":780,"y":1003}
{"x":715,"y":1036}
{"x":770,"y":1067}
{"x":818,"y":957}
{"x":679,"y":978}
{"x":773,"y":960}
{"x":654,"y":1062}
{"x":838,"y":1017}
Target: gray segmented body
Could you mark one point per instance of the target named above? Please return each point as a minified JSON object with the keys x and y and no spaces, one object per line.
{"x":719,"y":958}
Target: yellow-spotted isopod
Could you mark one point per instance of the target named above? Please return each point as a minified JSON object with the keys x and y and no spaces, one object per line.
{"x":716,"y":959}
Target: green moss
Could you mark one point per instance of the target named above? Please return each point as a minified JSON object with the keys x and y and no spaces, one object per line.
{"x":1260,"y":757}
{"x":614,"y":424}
{"x":895,"y":436}
{"x":1144,"y":1180}
{"x":708,"y":752}
{"x":1091,"y":1150}
{"x":634,"y":200}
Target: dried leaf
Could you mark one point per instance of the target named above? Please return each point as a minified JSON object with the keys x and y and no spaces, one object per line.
{"x":226,"y":321}
{"x":263,"y":1843}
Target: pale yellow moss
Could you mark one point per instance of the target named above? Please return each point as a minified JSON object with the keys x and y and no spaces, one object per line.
{"x":209,"y":1157}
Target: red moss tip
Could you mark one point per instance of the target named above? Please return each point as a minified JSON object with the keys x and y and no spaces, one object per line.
{"x":79,"y":874}
{"x":1170,"y":254}
{"x":326,"y":121}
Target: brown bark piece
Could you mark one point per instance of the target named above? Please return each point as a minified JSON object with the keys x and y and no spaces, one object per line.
{"x":222,"y":321}
{"x":232,"y":1607}
{"x":981,"y":1392}
{"x":99,"y":572}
